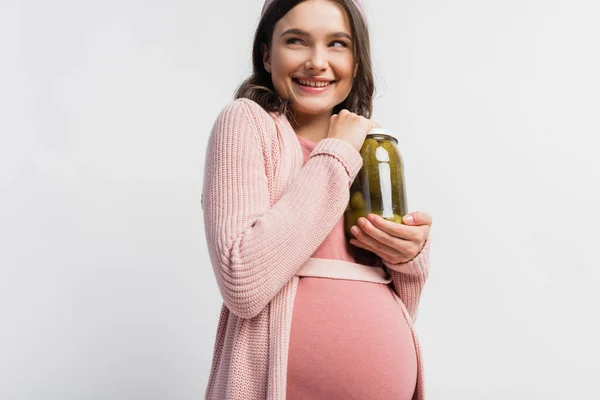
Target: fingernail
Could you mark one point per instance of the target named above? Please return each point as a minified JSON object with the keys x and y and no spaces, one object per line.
{"x":354,"y":230}
{"x":372,"y":217}
{"x":408,"y":219}
{"x":361,"y":221}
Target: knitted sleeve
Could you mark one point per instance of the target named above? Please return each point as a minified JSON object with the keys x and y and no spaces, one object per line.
{"x":408,"y":279}
{"x":256,"y":247}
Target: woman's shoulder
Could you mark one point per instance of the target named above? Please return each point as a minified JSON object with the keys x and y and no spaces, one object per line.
{"x":246,"y":115}
{"x":243,"y":126}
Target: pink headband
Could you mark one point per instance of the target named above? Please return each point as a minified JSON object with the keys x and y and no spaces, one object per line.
{"x":358,"y":3}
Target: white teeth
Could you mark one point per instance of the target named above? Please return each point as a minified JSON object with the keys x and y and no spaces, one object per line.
{"x":314,"y":83}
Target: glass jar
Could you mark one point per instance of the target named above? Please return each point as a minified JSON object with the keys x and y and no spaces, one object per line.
{"x":379,"y":186}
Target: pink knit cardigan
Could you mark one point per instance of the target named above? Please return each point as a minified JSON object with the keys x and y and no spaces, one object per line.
{"x":265,"y":215}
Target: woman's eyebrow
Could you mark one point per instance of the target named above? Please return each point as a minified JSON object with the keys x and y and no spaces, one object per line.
{"x":300,"y":32}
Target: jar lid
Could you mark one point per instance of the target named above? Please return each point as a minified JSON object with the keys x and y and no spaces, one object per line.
{"x":382,"y":131}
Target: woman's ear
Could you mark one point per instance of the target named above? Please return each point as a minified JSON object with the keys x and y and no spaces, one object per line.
{"x":266,"y":57}
{"x":355,"y":70}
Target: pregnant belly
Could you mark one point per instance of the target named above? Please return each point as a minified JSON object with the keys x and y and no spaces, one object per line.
{"x":349,"y":340}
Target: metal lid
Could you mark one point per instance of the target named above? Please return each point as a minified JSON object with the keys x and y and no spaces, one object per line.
{"x":382,"y":131}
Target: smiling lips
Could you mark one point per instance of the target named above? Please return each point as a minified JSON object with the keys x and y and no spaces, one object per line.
{"x":313,"y":85}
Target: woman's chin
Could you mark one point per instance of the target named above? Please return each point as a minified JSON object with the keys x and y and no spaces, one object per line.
{"x":313,"y":109}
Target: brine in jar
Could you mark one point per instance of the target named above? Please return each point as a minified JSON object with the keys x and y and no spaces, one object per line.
{"x":379,"y":186}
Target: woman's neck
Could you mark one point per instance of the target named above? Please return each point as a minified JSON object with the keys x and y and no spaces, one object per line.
{"x":312,"y":127}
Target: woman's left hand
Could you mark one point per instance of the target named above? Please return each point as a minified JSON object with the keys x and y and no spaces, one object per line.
{"x":394,"y":243}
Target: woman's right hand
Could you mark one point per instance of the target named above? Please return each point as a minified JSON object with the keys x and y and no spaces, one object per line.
{"x":350,"y":127}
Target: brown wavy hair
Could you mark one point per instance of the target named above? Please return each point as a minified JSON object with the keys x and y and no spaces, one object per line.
{"x":259,"y":86}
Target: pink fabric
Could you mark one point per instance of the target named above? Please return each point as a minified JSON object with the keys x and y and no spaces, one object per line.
{"x":348,"y":338}
{"x":339,"y":269}
{"x":335,"y":247}
{"x":349,"y":341}
{"x":263,"y":220}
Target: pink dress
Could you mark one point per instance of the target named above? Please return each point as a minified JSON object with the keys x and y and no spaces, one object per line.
{"x":348,"y":338}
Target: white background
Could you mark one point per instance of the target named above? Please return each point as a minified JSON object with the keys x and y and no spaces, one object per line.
{"x":106,"y":291}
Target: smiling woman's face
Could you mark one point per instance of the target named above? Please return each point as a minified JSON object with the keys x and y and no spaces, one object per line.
{"x":311,"y":59}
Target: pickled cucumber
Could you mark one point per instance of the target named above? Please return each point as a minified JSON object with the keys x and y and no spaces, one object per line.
{"x":352,"y":215}
{"x":351,"y":219}
{"x":391,"y":149}
{"x":397,"y":175}
{"x":370,"y":172}
{"x":389,"y":146}
{"x":396,"y":218}
{"x":357,"y":201}
{"x":368,"y":147}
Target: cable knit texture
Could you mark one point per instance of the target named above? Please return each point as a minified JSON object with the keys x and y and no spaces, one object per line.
{"x":265,"y":214}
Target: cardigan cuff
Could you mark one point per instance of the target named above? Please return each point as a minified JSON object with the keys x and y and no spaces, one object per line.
{"x":343,"y":151}
{"x":416,"y":266}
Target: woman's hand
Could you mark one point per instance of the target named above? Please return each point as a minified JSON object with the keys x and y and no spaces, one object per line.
{"x":350,"y":127}
{"x":394,"y":243}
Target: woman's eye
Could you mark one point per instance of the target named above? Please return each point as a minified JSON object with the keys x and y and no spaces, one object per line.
{"x":294,"y":41}
{"x":339,"y":43}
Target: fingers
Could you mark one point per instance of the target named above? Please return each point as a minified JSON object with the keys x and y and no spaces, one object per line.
{"x":393,"y":229}
{"x":399,"y":238}
{"x":349,"y":126}
{"x":379,"y":240}
{"x":417,"y":218}
{"x":357,"y":243}
{"x":345,"y":113}
{"x":404,"y":253}
{"x":368,"y":243}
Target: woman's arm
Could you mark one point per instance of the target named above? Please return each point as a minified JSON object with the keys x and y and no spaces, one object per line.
{"x":257,"y":248}
{"x":408,"y":279}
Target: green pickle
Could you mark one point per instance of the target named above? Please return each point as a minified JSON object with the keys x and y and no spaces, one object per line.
{"x":397,"y":175}
{"x":371,"y":172}
{"x":397,"y":219}
{"x":357,"y":201}
{"x":365,"y":191}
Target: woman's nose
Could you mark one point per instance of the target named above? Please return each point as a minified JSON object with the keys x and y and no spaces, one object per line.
{"x":317,"y":60}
